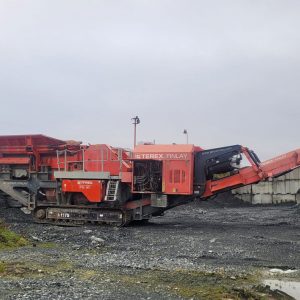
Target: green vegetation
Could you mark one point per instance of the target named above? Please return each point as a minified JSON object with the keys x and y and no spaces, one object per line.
{"x":2,"y":267}
{"x":186,"y":284}
{"x":196,"y":285}
{"x":33,"y":269}
{"x":9,"y":239}
{"x":46,"y":245}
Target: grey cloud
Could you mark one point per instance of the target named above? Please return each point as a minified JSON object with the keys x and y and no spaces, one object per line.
{"x":228,"y":71}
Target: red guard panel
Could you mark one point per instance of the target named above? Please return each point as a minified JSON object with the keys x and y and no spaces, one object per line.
{"x":93,"y":190}
{"x":14,"y":160}
{"x":177,"y":175}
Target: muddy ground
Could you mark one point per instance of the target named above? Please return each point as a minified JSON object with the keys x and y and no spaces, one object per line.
{"x":220,"y":249}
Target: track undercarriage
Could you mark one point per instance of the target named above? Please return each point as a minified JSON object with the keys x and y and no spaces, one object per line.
{"x":79,"y":215}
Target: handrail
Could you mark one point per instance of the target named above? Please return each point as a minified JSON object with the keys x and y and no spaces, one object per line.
{"x":105,"y":156}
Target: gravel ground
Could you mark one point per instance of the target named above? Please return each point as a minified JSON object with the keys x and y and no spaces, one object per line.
{"x":102,"y":262}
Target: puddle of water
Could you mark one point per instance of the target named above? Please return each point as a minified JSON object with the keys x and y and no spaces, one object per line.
{"x":292,"y":288}
{"x":280,"y":271}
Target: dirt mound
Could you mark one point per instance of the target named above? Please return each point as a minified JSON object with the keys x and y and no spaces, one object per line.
{"x":223,"y":200}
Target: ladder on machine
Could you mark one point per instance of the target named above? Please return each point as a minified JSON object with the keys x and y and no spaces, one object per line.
{"x":112,"y":190}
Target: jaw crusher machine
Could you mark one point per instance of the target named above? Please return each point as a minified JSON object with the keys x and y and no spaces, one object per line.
{"x":65,"y":182}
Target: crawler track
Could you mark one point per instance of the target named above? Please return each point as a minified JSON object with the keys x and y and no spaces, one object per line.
{"x":78,"y":216}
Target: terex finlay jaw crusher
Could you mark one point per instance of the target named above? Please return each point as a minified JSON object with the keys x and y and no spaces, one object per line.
{"x":66,"y":182}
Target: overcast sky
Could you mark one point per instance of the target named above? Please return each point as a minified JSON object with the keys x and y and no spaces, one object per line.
{"x":227,"y":71}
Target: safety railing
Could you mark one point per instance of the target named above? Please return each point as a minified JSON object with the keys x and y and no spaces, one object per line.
{"x":64,"y":158}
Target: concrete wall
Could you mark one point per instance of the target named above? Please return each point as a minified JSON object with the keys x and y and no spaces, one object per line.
{"x":285,"y":188}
